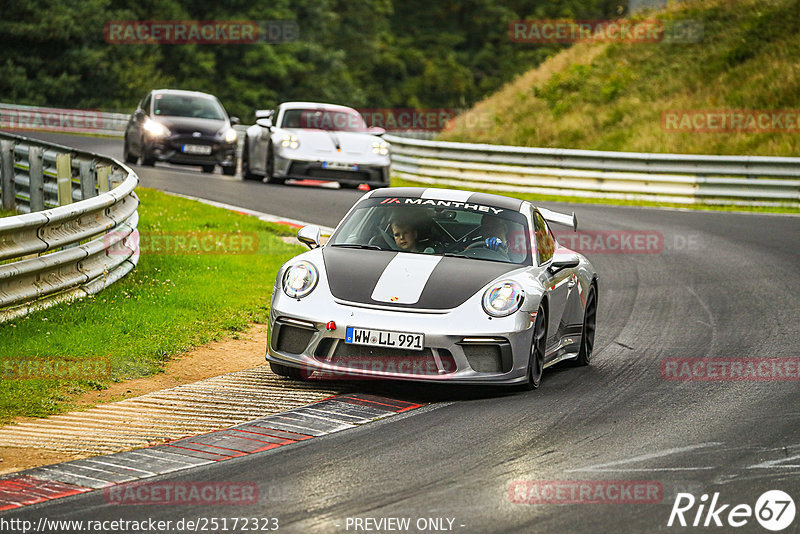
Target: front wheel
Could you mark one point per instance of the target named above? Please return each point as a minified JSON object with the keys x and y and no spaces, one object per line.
{"x":270,"y":178}
{"x":147,"y":159}
{"x":538,"y":345}
{"x":284,"y":370}
{"x":208,"y":169}
{"x":247,"y":174}
{"x":588,"y":328}
{"x":230,"y":170}
{"x":129,"y":158}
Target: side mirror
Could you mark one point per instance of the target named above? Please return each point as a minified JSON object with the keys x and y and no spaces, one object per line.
{"x":563,"y":261}
{"x":309,"y":236}
{"x":265,"y":123}
{"x":235,"y":121}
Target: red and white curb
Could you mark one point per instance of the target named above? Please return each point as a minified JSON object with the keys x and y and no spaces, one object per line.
{"x":334,"y":414}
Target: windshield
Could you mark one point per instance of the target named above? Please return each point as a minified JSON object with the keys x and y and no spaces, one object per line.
{"x":438,"y":227}
{"x":324,"y":119}
{"x":197,"y":107}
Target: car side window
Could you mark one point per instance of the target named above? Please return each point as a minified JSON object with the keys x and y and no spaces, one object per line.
{"x":146,"y":105}
{"x":545,"y":244}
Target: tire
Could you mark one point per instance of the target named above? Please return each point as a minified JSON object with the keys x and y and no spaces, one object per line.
{"x":246,"y":173}
{"x":284,"y":370}
{"x":270,"y":168}
{"x":538,"y":347}
{"x":208,"y":169}
{"x":129,"y":158}
{"x":588,"y":329}
{"x":147,"y":160}
{"x":230,"y":170}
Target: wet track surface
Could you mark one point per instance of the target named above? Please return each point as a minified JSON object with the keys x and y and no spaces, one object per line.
{"x":722,"y":285}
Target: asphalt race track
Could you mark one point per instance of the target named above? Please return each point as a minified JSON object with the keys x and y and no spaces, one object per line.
{"x":719,"y":285}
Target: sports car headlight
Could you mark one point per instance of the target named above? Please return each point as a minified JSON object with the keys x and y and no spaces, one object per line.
{"x":290,"y":141}
{"x":300,"y":279}
{"x":503,"y":298}
{"x":230,"y":136}
{"x":156,"y":129}
{"x":380,"y":147}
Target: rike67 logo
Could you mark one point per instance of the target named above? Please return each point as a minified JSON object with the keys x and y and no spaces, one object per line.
{"x":774,"y":510}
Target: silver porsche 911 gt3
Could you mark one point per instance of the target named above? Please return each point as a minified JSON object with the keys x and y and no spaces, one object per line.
{"x":434,"y":285}
{"x":303,"y":140}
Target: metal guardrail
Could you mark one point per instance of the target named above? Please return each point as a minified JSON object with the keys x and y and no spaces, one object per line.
{"x":78,"y":209}
{"x":679,"y":178}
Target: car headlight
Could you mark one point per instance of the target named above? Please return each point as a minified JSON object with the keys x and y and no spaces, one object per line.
{"x":503,"y":298}
{"x":154,"y":128}
{"x":230,"y":136}
{"x":380,"y":147}
{"x":290,"y":141}
{"x":300,"y":279}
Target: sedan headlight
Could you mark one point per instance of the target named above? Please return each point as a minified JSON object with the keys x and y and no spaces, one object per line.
{"x":503,"y":298}
{"x":290,"y":141}
{"x":154,"y":128}
{"x":300,"y":279}
{"x":230,"y":136}
{"x":380,"y":147}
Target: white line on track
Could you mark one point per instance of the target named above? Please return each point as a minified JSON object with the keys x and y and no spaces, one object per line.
{"x":266,"y":217}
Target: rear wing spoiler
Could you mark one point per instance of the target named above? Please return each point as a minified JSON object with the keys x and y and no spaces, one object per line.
{"x":560,"y":218}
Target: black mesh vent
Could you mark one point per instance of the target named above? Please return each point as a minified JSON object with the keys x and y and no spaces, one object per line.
{"x":484,"y":358}
{"x":292,"y":339}
{"x":384,"y":359}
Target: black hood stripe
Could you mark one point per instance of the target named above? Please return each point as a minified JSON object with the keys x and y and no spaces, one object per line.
{"x":353,"y":274}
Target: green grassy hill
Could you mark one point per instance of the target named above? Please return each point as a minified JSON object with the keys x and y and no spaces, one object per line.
{"x":611,"y":96}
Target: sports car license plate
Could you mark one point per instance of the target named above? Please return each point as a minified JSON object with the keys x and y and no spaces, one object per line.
{"x":339,"y":166}
{"x":383,"y":338}
{"x":196,"y":149}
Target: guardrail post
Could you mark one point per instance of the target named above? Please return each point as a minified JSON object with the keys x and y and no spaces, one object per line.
{"x":64,"y":177}
{"x":88,"y":180}
{"x":102,"y":178}
{"x":7,"y":189}
{"x":36,"y":173}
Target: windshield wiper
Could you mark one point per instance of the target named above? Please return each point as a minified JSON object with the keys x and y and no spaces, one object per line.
{"x":458,"y":255}
{"x":358,"y":245}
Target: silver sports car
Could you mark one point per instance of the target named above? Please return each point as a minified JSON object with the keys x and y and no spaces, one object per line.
{"x":308,"y":140}
{"x":434,"y":285}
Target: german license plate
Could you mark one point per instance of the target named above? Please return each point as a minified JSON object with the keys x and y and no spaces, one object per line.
{"x":384,"y":338}
{"x":196,"y":149}
{"x":339,"y":166}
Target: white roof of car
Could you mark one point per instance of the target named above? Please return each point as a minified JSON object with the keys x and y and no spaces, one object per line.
{"x":317,"y":105}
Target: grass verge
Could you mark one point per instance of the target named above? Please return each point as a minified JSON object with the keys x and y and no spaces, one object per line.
{"x":188,"y":289}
